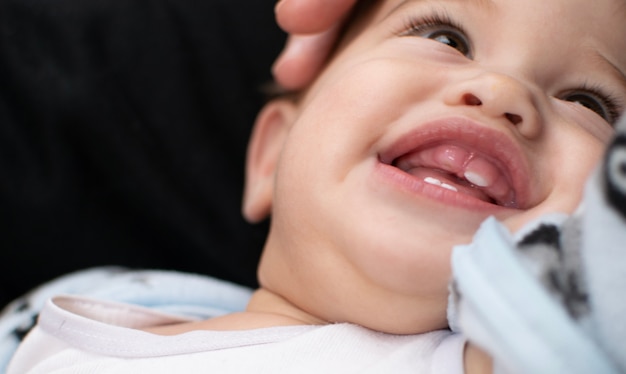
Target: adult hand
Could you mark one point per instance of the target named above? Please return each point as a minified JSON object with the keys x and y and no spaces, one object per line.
{"x":313,"y":26}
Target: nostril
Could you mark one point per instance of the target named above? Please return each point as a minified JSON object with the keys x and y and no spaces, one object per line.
{"x":513,"y":118}
{"x":473,"y":100}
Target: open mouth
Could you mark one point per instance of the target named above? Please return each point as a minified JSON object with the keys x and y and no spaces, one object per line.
{"x":460,"y":170}
{"x":464,"y":157}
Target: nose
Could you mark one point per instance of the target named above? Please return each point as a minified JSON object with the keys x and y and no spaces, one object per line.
{"x":499,"y":96}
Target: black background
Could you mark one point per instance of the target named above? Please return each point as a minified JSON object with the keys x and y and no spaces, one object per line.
{"x":123,"y":128}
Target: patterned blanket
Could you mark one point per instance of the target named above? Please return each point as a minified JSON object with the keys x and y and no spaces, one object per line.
{"x":550,"y":299}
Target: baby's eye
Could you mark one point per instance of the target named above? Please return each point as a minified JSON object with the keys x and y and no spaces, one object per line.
{"x":441,"y":29}
{"x":595,"y":101}
{"x":450,"y":38}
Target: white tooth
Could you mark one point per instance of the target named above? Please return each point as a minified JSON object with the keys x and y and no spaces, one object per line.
{"x":439,"y":183}
{"x":431,"y":180}
{"x":476,"y":179}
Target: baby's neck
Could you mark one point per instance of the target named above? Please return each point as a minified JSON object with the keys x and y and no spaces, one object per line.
{"x":278,"y":311}
{"x":265,"y":309}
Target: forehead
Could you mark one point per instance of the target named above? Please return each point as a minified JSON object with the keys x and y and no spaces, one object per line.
{"x":573,"y":4}
{"x":555,"y":12}
{"x":594,"y":29}
{"x":588,"y":16}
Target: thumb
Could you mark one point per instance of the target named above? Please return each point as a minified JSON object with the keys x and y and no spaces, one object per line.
{"x":303,"y":58}
{"x":311,"y":16}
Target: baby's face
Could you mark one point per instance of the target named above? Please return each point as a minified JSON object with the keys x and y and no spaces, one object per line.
{"x":436,"y":115}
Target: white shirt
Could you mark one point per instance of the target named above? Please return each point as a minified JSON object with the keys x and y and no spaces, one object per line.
{"x":80,"y":335}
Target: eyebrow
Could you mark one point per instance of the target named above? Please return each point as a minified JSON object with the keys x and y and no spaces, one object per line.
{"x":621,"y":74}
{"x":481,"y":3}
{"x":618,"y":73}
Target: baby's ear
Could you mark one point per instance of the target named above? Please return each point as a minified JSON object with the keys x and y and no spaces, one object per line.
{"x":266,"y":143}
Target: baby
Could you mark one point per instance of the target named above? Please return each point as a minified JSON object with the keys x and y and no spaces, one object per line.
{"x":430,"y":117}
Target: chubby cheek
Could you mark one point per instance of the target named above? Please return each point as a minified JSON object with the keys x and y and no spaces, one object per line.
{"x":326,"y":159}
{"x":373,"y":86}
{"x":568,"y":160}
{"x":354,"y":104}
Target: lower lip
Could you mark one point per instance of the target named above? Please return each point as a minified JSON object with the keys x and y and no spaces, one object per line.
{"x":412,"y":186}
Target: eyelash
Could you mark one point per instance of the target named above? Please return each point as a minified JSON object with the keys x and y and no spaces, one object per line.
{"x":416,"y":26}
{"x":419,"y":25}
{"x":608,"y":101}
{"x":424,"y":22}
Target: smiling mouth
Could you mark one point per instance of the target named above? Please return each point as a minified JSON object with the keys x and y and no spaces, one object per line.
{"x":462,"y":162}
{"x":462,"y":170}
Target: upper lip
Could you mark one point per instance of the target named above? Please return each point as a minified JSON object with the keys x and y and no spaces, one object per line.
{"x":503,"y":151}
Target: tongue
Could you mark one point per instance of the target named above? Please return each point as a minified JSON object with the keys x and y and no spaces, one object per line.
{"x":467,"y":171}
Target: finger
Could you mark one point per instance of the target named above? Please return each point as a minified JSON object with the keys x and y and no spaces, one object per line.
{"x":311,"y":16}
{"x":303,"y":58}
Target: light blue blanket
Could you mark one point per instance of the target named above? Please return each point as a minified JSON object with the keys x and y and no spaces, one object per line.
{"x":188,"y":295}
{"x":552,"y":298}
